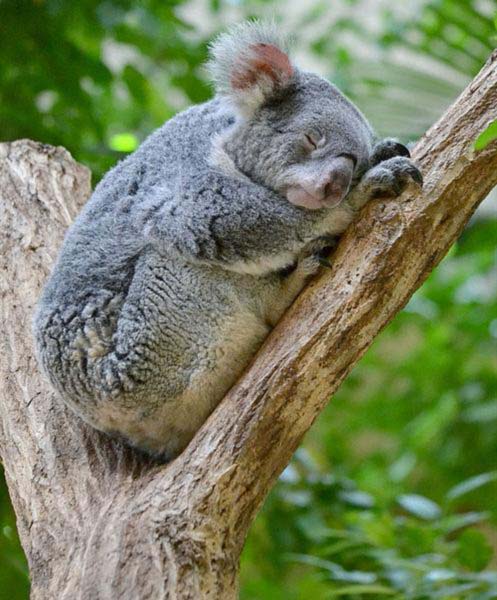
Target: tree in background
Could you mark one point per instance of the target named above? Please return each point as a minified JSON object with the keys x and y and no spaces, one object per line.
{"x":418,"y":416}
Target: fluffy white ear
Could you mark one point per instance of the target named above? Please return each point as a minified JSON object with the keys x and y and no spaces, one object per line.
{"x":249,"y":64}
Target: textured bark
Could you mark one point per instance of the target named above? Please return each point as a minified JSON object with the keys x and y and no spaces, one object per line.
{"x":98,"y":521}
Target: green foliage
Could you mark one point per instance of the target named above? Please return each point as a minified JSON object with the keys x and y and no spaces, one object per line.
{"x":487,"y":136}
{"x":79,"y":74}
{"x":14,"y":581}
{"x":393,"y":493}
{"x":405,"y":71}
{"x":353,"y":543}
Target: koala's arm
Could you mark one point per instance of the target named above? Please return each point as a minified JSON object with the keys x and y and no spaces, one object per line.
{"x":237,"y":224}
{"x":211,"y":217}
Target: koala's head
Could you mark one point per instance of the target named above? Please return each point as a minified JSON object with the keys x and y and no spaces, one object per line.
{"x":295,"y":132}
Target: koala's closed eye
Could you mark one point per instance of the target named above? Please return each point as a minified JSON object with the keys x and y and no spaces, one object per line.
{"x":313,"y":140}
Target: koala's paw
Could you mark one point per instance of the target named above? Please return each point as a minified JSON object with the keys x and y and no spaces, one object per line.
{"x":309,"y":265}
{"x":388,"y":148}
{"x":390,"y":178}
{"x":318,"y":251}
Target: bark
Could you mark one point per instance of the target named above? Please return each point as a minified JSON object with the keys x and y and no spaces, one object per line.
{"x":98,"y":521}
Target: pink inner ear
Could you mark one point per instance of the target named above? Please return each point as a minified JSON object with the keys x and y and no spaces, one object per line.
{"x":266,"y":60}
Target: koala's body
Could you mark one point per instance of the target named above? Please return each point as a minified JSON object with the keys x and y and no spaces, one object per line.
{"x":192,"y":248}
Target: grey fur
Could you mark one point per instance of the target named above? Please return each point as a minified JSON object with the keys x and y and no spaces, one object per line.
{"x":189,"y":251}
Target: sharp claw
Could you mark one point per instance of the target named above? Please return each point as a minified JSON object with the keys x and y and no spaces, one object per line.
{"x":324,"y":262}
{"x":402,"y":150}
{"x":418,"y":177}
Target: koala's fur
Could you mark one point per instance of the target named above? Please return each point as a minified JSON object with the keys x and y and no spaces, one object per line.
{"x":190,"y":250}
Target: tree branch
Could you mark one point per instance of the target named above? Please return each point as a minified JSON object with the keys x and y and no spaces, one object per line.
{"x":99,"y":521}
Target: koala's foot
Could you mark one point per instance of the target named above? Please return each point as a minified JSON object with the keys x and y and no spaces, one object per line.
{"x":317,"y":252}
{"x":327,"y":245}
{"x":314,"y":255}
{"x":388,"y":179}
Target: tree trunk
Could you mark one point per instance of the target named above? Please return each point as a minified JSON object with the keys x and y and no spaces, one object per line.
{"x":99,"y":521}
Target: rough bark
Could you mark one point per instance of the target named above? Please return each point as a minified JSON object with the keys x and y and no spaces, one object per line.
{"x":98,"y":521}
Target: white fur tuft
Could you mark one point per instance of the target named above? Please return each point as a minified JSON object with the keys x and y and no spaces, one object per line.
{"x":233,"y":51}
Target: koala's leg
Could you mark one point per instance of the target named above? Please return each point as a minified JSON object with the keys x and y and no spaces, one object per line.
{"x":386,"y":179}
{"x":150,"y":366}
{"x":290,"y":282}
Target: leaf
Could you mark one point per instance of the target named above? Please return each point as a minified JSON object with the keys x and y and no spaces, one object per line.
{"x":123,"y":142}
{"x":438,"y":575}
{"x":401,"y":468}
{"x":359,"y":577}
{"x":416,"y":538}
{"x":427,"y":428}
{"x":419,"y":506}
{"x":458,"y":591}
{"x":336,"y":571}
{"x":453,"y":523}
{"x":352,"y":590}
{"x":471,"y":484}
{"x":473,"y":551}
{"x":357,"y":499}
{"x":137,"y":84}
{"x":486,"y":137}
{"x":481,"y":413}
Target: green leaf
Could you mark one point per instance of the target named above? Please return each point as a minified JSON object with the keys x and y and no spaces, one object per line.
{"x":456,"y":522}
{"x":419,"y":506}
{"x":425,"y":430}
{"x":416,"y":538}
{"x":352,"y":590}
{"x":357,"y":499}
{"x":459,"y":591}
{"x":486,"y":137}
{"x":481,"y":413}
{"x":137,"y":84}
{"x":123,"y":142}
{"x":471,"y":484}
{"x":473,"y":550}
{"x":437,"y":575}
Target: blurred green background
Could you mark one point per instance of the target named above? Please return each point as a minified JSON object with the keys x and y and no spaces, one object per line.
{"x":393,"y":494}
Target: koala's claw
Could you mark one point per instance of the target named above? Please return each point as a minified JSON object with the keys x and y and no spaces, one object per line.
{"x":391,"y":177}
{"x":323,"y":247}
{"x":315,"y":254}
{"x":388,"y":148}
{"x":417,"y":176}
{"x":324,"y":262}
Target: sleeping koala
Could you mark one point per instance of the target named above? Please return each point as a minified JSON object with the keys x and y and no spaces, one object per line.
{"x":191,"y":249}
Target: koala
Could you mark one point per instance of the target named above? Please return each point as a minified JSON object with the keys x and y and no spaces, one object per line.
{"x":191,"y":249}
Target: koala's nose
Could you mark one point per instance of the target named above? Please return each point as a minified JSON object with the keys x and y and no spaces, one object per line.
{"x":336,"y":183}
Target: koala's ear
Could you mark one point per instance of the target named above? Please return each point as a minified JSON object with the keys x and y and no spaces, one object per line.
{"x":249,"y":64}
